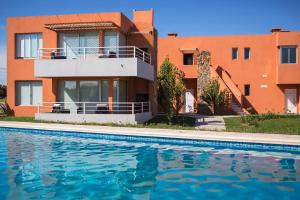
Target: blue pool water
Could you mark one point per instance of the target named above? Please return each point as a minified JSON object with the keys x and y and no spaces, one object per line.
{"x":61,"y":165}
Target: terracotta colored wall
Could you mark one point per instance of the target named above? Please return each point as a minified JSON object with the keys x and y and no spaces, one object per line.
{"x":23,"y":69}
{"x":263,"y":61}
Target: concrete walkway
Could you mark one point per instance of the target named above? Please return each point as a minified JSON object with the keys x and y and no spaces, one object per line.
{"x":184,"y":134}
{"x":212,"y":123}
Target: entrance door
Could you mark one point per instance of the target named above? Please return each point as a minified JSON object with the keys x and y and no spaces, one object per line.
{"x":189,"y":100}
{"x":291,"y":100}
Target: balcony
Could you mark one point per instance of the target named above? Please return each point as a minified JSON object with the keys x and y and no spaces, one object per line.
{"x":95,"y":112}
{"x":94,"y":62}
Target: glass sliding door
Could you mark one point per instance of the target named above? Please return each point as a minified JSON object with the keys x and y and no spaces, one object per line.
{"x":103,"y":91}
{"x":89,"y":91}
{"x":68,"y":94}
{"x":74,"y":43}
{"x":120,"y":91}
{"x":120,"y":96}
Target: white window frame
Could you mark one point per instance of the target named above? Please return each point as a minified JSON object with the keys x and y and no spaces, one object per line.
{"x":193,"y":63}
{"x":30,"y":93}
{"x":39,"y":40}
{"x":280,"y":53}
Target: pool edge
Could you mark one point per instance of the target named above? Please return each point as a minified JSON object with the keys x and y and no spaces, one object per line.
{"x":256,"y":138}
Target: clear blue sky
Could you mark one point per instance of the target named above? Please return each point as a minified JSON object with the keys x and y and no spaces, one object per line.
{"x":186,"y":17}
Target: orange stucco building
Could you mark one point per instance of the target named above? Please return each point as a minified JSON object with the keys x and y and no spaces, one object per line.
{"x":103,"y":67}
{"x":261,"y":71}
{"x":101,"y":57}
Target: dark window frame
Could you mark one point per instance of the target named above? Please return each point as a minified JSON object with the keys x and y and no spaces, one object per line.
{"x":234,"y":56}
{"x":247,"y":90}
{"x":186,"y":61}
{"x":247,"y":56}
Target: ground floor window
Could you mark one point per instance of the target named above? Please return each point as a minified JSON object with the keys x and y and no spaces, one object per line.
{"x":91,"y":91}
{"x":28,"y":93}
{"x":120,"y":91}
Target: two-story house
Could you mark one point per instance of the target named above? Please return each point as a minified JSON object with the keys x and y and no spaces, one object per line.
{"x":83,"y":68}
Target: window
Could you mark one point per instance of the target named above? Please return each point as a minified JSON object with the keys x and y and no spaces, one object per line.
{"x":188,"y":59}
{"x":247,"y":90}
{"x":120,"y":91}
{"x":288,"y":54}
{"x":27,"y":45}
{"x":247,"y":53}
{"x":234,"y":53}
{"x":28,"y":93}
{"x":71,"y":42}
{"x":83,"y":91}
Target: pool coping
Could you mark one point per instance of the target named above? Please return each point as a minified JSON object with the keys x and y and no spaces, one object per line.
{"x":261,"y":138}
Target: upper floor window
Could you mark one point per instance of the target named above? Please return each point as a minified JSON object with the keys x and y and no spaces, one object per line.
{"x":27,"y":45}
{"x":247,"y":53}
{"x":188,"y":59}
{"x":288,"y":54}
{"x":247,"y":90}
{"x":234,"y":53}
{"x":76,"y":43}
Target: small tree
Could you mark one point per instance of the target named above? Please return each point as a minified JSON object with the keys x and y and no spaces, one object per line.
{"x":2,"y":91}
{"x":170,"y":87}
{"x":213,"y":96}
{"x":179,"y":89}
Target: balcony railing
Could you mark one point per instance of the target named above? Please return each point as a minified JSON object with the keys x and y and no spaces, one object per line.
{"x":94,"y":107}
{"x":94,"y":52}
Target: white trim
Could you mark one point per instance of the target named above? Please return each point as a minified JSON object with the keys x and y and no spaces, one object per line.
{"x":280,"y":54}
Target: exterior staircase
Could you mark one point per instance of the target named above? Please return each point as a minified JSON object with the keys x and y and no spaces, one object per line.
{"x":237,"y":108}
{"x":236,"y":102}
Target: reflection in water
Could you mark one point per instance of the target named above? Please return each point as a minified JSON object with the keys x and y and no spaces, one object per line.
{"x":40,"y":166}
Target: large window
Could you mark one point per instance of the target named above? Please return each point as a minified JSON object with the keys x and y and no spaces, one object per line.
{"x":113,"y":39}
{"x":28,"y":93}
{"x":288,"y":54}
{"x":234,"y":53}
{"x":83,"y":91}
{"x":74,"y":43}
{"x":188,"y":59}
{"x":120,"y":91}
{"x":27,"y":45}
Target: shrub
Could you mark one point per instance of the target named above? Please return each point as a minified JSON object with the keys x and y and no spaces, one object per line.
{"x":213,"y":96}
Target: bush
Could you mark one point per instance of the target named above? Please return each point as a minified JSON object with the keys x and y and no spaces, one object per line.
{"x":4,"y":109}
{"x":3,"y":91}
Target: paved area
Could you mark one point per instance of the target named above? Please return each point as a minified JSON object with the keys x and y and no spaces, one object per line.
{"x":185,"y":134}
{"x":213,"y":123}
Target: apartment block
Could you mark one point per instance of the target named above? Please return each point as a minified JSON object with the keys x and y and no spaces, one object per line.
{"x":262,"y":72}
{"x":102,"y":68}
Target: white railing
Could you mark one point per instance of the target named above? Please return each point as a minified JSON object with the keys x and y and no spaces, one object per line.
{"x":94,"y":52}
{"x":94,"y":107}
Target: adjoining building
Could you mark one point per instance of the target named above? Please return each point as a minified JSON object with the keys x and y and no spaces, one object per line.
{"x":102,"y":67}
{"x":262,"y":72}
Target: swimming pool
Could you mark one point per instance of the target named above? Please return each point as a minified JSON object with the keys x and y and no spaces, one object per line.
{"x":36,"y":164}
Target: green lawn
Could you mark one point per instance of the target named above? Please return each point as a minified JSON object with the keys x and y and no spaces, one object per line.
{"x":283,"y":125}
{"x":179,"y":122}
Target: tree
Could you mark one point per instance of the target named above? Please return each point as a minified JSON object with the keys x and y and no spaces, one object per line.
{"x":170,"y":88}
{"x":2,"y":91}
{"x":213,"y":96}
{"x":179,"y":89}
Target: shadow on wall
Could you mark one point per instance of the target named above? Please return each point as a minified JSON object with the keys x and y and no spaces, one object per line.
{"x":235,"y":91}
